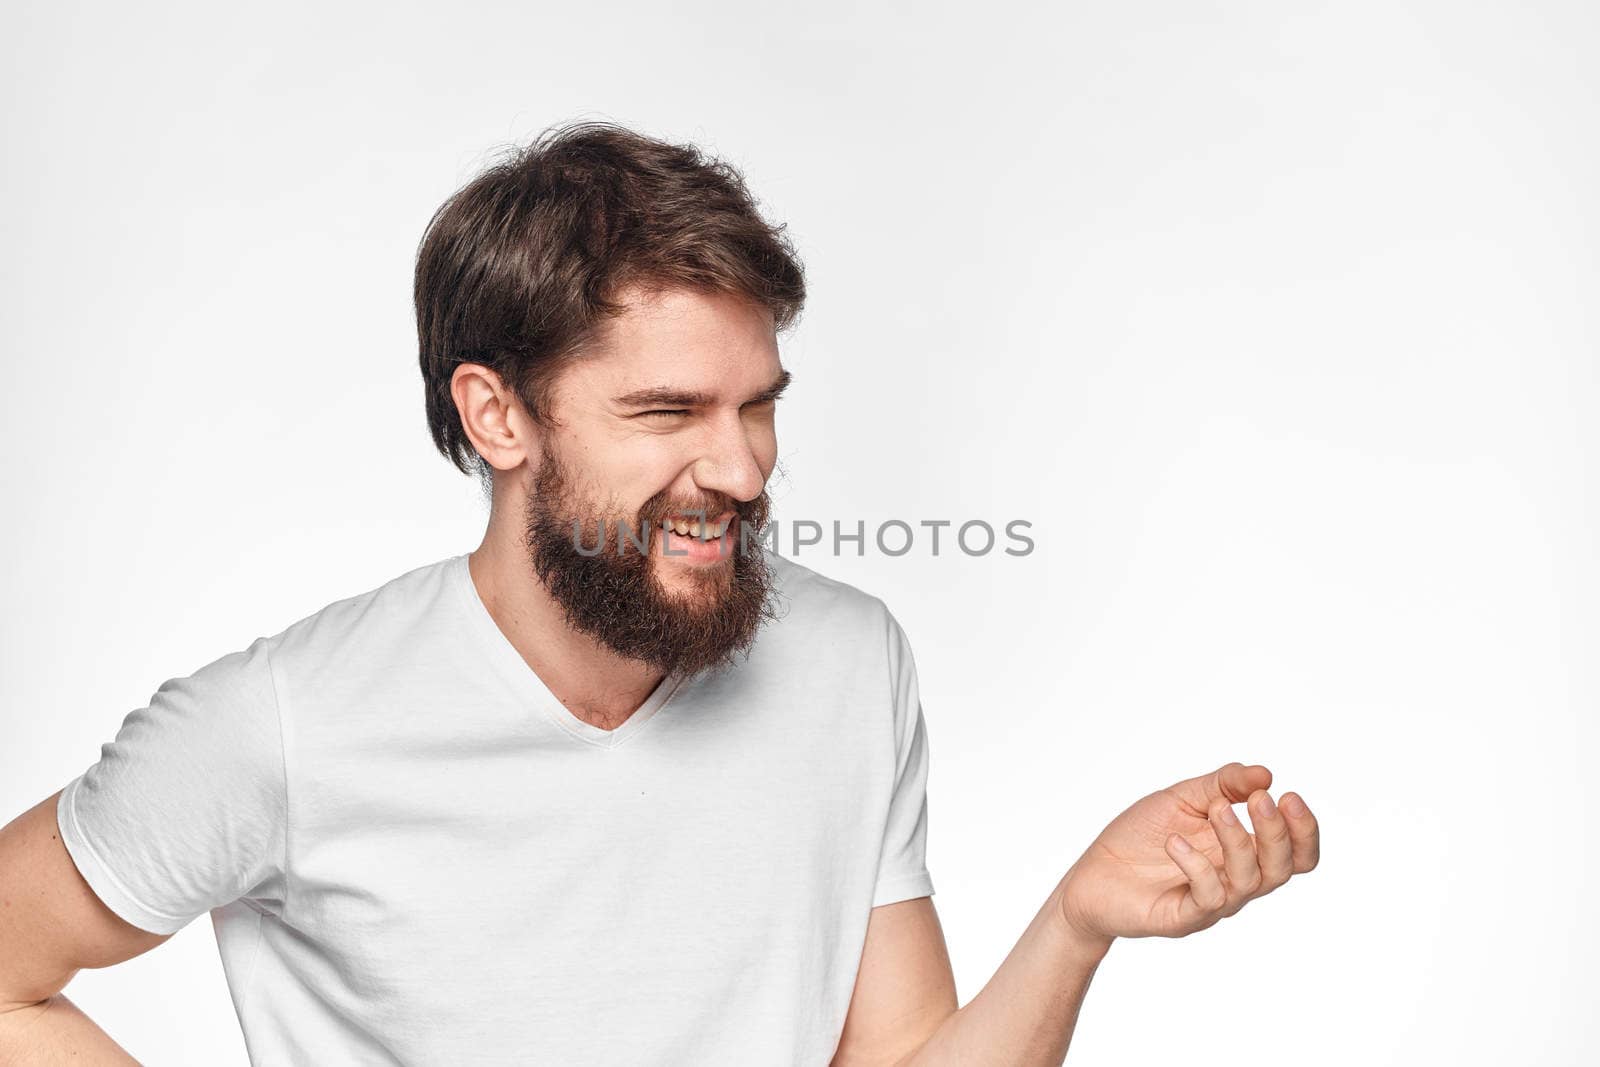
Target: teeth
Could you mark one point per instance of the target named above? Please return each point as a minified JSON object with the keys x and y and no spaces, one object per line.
{"x":695,"y":528}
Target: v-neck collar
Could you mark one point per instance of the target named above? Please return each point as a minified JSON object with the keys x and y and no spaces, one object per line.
{"x":527,"y":683}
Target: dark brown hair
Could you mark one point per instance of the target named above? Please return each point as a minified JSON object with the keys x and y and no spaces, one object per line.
{"x":518,"y":269}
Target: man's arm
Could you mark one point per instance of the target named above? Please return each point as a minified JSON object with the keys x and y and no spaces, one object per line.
{"x":905,"y":988}
{"x":51,"y":926}
{"x":904,"y":1013}
{"x":1175,"y":862}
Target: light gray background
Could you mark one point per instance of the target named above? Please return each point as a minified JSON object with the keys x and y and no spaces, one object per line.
{"x":1277,"y":320}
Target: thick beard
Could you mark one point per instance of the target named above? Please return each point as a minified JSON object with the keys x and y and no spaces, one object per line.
{"x":615,"y":597}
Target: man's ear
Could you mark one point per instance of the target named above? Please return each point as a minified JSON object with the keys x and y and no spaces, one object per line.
{"x":494,"y":418}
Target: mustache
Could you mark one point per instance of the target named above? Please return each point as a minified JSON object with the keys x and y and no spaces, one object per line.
{"x":753,"y":512}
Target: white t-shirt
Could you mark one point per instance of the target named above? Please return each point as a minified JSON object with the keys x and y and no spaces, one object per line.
{"x":413,"y":853}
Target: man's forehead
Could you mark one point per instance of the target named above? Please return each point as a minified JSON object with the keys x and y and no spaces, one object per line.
{"x":711,"y":344}
{"x":666,"y":312}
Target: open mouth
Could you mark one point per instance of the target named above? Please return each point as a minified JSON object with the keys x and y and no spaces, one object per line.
{"x":693,"y":526}
{"x":696,"y":542}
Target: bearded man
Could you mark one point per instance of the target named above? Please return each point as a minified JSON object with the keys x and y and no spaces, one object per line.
{"x":621,"y":785}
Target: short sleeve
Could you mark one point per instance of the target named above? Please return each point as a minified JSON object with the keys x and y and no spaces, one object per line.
{"x":185,"y":809}
{"x":902,"y":863}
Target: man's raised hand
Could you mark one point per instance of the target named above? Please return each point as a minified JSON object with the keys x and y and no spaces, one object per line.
{"x":1178,"y":860}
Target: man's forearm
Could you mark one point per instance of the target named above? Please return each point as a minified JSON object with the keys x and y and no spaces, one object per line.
{"x":54,"y":1031}
{"x":1026,"y":1013}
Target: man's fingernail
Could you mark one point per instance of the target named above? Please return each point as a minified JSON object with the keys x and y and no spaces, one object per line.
{"x":1268,"y":808}
{"x":1295,"y":806}
{"x":1227,"y":815}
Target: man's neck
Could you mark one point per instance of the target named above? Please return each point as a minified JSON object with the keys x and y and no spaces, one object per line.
{"x":593,"y":682}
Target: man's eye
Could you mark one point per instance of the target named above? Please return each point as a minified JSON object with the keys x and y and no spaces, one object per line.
{"x":664,"y":414}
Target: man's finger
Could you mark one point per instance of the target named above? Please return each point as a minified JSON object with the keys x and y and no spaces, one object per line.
{"x":1238,"y":854}
{"x":1207,"y":895}
{"x":1305,"y":836}
{"x":1273,"y":849}
{"x":1233,"y":782}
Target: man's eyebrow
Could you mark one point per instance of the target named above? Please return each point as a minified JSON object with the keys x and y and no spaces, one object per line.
{"x":775,"y":390}
{"x":666,"y":397}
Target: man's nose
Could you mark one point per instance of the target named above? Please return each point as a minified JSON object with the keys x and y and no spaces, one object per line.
{"x":728,"y":463}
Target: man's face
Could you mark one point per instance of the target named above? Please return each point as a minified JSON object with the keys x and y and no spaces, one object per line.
{"x":667,"y":427}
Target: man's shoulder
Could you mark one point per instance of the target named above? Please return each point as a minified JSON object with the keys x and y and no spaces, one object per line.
{"x":805,"y":596}
{"x":830,"y":639}
{"x":387,"y":615}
